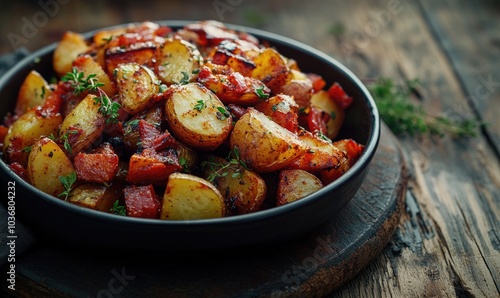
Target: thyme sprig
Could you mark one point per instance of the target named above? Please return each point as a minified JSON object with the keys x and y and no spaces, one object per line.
{"x":404,"y":117}
{"x":67,"y":182}
{"x":221,"y":169}
{"x":80,"y":83}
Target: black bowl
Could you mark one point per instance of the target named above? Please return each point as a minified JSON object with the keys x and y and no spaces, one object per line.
{"x":83,"y":227}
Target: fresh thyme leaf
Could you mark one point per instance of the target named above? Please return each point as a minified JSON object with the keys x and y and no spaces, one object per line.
{"x":222,"y":114}
{"x":163,"y":88}
{"x":27,"y":149}
{"x":67,"y":182}
{"x":260,"y":93}
{"x":404,"y":117}
{"x":118,"y":209}
{"x":81,"y":84}
{"x":185,"y":78}
{"x":200,"y":105}
{"x":221,"y":169}
{"x":65,"y":139}
{"x":108,"y":108}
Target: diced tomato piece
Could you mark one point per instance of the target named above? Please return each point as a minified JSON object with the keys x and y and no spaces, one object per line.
{"x":150,"y":167}
{"x":141,"y":201}
{"x":314,"y":119}
{"x":317,"y":81}
{"x":98,"y":167}
{"x":337,"y":93}
{"x":236,"y":111}
{"x":163,"y":31}
{"x":353,"y":149}
{"x":3,"y":133}
{"x":15,"y":152}
{"x":153,"y":138}
{"x":19,"y":170}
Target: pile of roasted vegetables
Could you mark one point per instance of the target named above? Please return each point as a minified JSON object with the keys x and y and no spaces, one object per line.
{"x":200,"y":122}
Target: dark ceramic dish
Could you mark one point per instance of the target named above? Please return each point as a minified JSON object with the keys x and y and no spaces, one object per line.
{"x":88,"y":228}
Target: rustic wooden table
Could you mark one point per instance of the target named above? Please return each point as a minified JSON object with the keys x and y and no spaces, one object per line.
{"x":447,"y":242}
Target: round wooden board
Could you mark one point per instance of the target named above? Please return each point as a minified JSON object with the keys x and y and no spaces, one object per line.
{"x":313,"y":265}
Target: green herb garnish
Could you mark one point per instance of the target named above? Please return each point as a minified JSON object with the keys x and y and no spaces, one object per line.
{"x":81,"y":84}
{"x":402,"y":116}
{"x":118,"y":209}
{"x":200,"y":105}
{"x":260,"y":93}
{"x":222,"y":114}
{"x":67,"y":182}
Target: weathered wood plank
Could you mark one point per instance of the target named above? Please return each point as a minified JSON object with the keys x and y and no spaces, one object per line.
{"x":468,"y":33}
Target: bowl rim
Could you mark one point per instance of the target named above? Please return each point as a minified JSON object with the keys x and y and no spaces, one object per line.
{"x":274,"y":39}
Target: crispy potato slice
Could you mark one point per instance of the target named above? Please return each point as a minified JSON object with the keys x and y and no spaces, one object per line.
{"x":83,"y":125}
{"x":264,"y":145}
{"x":296,"y":184}
{"x":190,"y":197}
{"x":136,"y":85}
{"x":32,"y":93}
{"x":197,"y":117}
{"x":27,"y":129}
{"x":271,"y":68}
{"x":178,"y":61}
{"x":88,"y":65}
{"x":322,"y":154}
{"x":47,"y":162}
{"x":322,"y":100}
{"x":95,"y":197}
{"x":71,"y":45}
{"x":243,"y":190}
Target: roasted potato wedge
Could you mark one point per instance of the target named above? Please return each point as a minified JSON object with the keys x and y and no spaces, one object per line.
{"x":322,"y":100}
{"x":190,"y":197}
{"x":197,"y":117}
{"x":83,"y":125}
{"x":136,"y":85}
{"x":243,"y":190}
{"x":353,"y":151}
{"x":271,"y":68}
{"x":264,"y":145}
{"x":27,"y":129}
{"x":87,"y":65}
{"x":178,"y":61}
{"x":95,"y":197}
{"x":32,"y":93}
{"x":322,"y":154}
{"x":71,"y":45}
{"x":296,"y":184}
{"x":300,"y":87}
{"x":47,"y":162}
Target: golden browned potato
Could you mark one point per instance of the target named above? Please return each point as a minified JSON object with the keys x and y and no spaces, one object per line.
{"x":243,"y":190}
{"x":271,"y":68}
{"x":178,"y":61}
{"x":47,"y":162}
{"x":88,"y":65}
{"x":187,"y":157}
{"x":296,"y":184}
{"x":322,"y":101}
{"x":136,"y":85}
{"x":83,"y":125}
{"x":264,"y":145}
{"x":95,"y":197}
{"x":190,"y":197}
{"x":71,"y":45}
{"x":28,"y":128}
{"x":32,"y":93}
{"x":322,"y":154}
{"x":197,"y":117}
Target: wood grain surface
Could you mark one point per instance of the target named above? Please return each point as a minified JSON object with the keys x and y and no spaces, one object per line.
{"x":448,"y":239}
